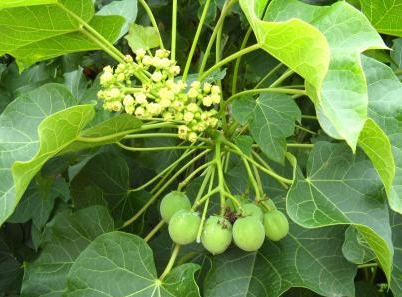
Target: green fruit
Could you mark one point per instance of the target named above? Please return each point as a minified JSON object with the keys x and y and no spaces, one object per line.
{"x":216,"y":235}
{"x":248,"y":233}
{"x":172,"y":203}
{"x":276,"y":225}
{"x":251,"y":209}
{"x":183,"y":226}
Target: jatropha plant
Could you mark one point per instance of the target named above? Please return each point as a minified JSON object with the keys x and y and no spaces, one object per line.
{"x":258,"y":154}
{"x":147,"y":87}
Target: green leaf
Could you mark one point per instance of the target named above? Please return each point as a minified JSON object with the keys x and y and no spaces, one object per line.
{"x":55,"y":132}
{"x":10,"y":268}
{"x":38,"y":201}
{"x":110,"y":174}
{"x":377,"y":147}
{"x":76,"y":83}
{"x":19,"y":139}
{"x":341,"y":188}
{"x":121,"y":264}
{"x":385,"y":15}
{"x":355,"y":247}
{"x":305,"y":258}
{"x":385,"y":91}
{"x":396,"y":279}
{"x":50,"y":127}
{"x":41,"y":30}
{"x":271,"y":120}
{"x":125,"y":8}
{"x":396,"y":53}
{"x":290,"y":42}
{"x":142,"y":37}
{"x":65,"y":237}
{"x":341,"y":99}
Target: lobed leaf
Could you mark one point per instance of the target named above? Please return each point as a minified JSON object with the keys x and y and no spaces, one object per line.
{"x":120,"y":264}
{"x":294,"y":42}
{"x":305,"y":258}
{"x":271,"y":119}
{"x":33,"y":31}
{"x":50,"y":127}
{"x":65,"y":237}
{"x":341,"y":188}
{"x":341,"y":98}
{"x":385,"y":91}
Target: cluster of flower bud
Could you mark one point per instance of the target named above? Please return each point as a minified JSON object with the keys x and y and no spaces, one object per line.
{"x":160,"y":95}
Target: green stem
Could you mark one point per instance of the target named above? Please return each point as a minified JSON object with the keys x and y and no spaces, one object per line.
{"x":251,"y":178}
{"x":300,"y":145}
{"x":367,"y":265}
{"x":165,"y":172}
{"x":282,"y":78}
{"x":210,"y":175}
{"x":174,"y":31}
{"x":265,"y":90}
{"x":158,"y":148}
{"x":269,"y":74}
{"x":306,"y":130}
{"x":265,"y":169}
{"x":123,"y":134}
{"x":227,"y":60}
{"x":151,"y":135}
{"x":106,"y":47}
{"x":237,"y":64}
{"x":154,"y":231}
{"x":194,"y":173}
{"x":153,"y":21}
{"x":209,"y":194}
{"x":162,"y":187}
{"x":170,"y":264}
{"x":225,"y":10}
{"x":221,"y":179}
{"x":309,"y":117}
{"x":195,"y":40}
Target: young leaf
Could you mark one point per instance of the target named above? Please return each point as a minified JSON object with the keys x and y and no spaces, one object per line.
{"x":340,"y":188}
{"x":65,"y":237}
{"x":120,"y":264}
{"x":271,"y":120}
{"x":299,"y":260}
{"x":384,"y":15}
{"x":355,"y":248}
{"x":142,"y":37}
{"x":125,"y":8}
{"x":341,"y":100}
{"x":41,"y":30}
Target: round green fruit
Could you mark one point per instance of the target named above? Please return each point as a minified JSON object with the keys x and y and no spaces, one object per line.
{"x":248,"y":233}
{"x":216,"y":235}
{"x":183,"y":227}
{"x":276,"y":225}
{"x":252,"y":209}
{"x":172,"y":203}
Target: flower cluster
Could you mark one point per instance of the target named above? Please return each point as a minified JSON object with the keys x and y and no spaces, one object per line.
{"x":160,"y":95}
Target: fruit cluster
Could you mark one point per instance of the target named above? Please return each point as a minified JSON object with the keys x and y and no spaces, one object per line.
{"x":160,"y":95}
{"x":248,"y":228}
